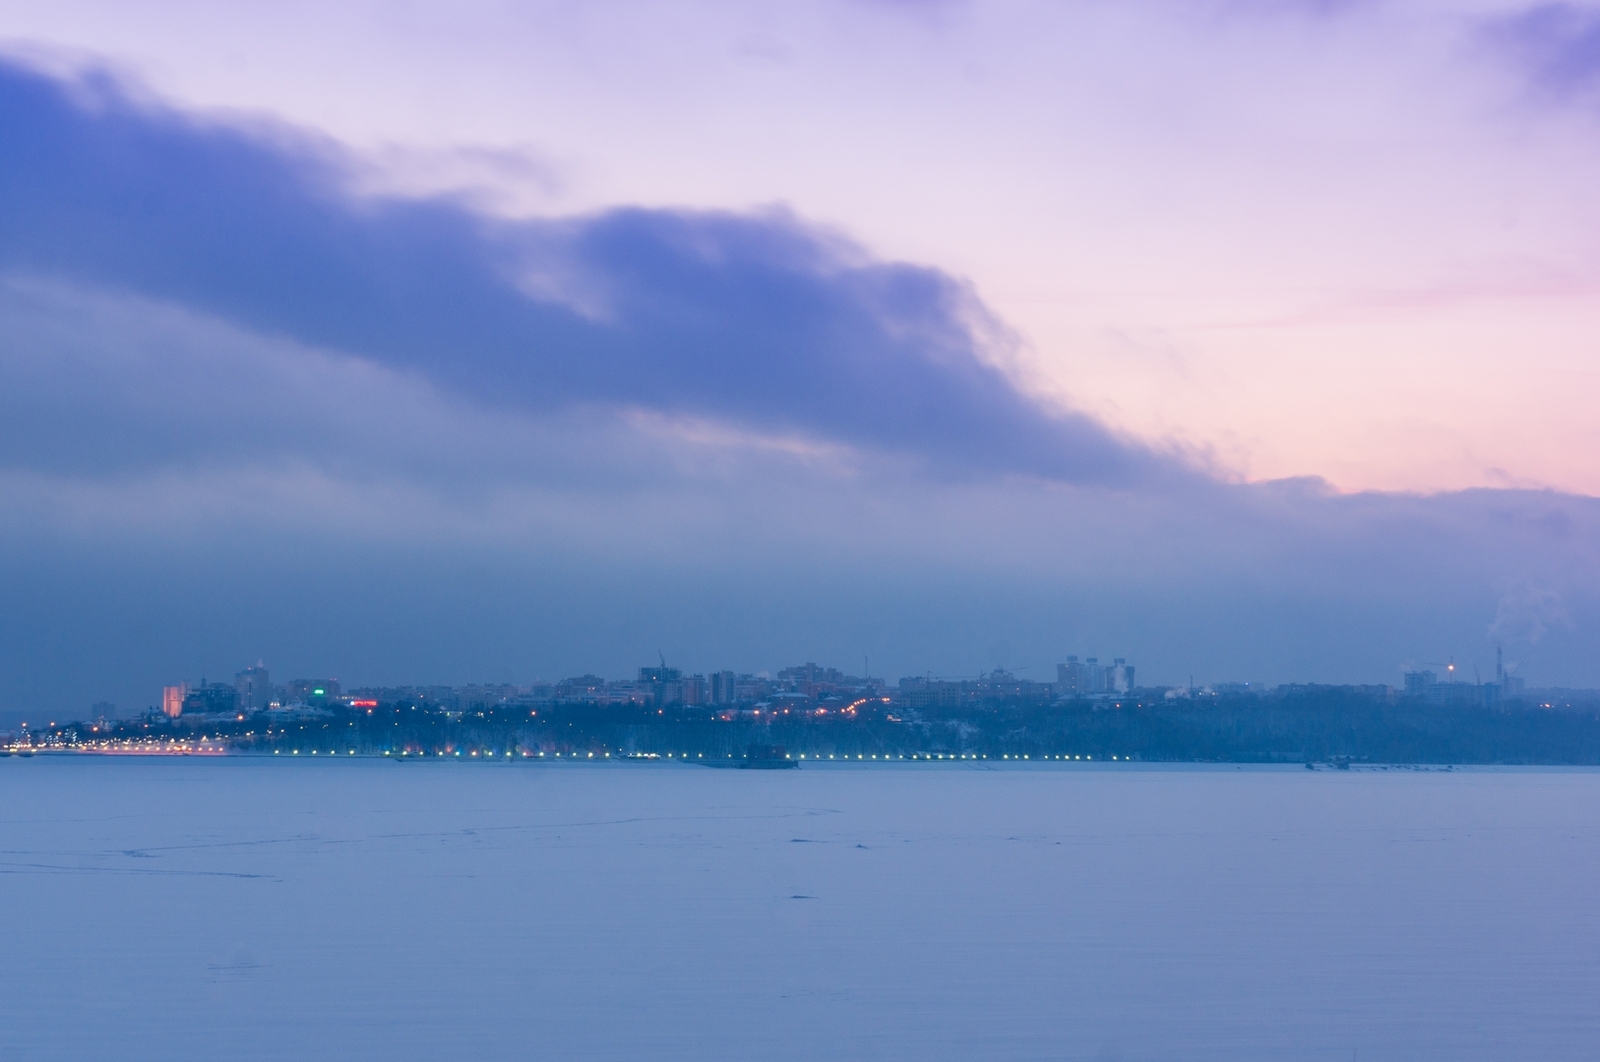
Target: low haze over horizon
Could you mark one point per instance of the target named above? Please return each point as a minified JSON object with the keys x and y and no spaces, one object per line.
{"x":492,"y":343}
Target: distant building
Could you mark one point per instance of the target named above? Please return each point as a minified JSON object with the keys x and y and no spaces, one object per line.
{"x":473,"y":697}
{"x":662,"y":684}
{"x":310,"y":691}
{"x":1418,"y":682}
{"x":808,"y":677}
{"x":1001,"y":684}
{"x":211,"y":698}
{"x":1072,"y":677}
{"x":582,"y":689}
{"x":253,"y":688}
{"x":1426,"y":685}
{"x":1089,"y":677}
{"x":1119,"y":677}
{"x":723,"y":687}
{"x":931,"y":693}
{"x":172,"y":698}
{"x":631,"y":693}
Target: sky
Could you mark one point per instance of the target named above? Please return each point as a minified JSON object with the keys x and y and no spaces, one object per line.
{"x":491,"y":342}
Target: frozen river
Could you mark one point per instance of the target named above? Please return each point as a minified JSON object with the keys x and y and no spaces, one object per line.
{"x":179,"y":910}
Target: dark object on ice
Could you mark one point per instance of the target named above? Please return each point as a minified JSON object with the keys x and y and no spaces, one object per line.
{"x":758,"y":758}
{"x":767,"y":758}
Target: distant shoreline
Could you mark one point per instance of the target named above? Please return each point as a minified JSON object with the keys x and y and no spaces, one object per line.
{"x":1036,"y":766}
{"x":1339,"y":729}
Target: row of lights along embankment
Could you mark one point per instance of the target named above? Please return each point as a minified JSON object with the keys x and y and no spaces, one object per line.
{"x":860,"y":757}
{"x":948,"y":756}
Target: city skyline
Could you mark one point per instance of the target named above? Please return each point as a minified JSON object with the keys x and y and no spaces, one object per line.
{"x":1093,"y":710}
{"x":251,"y":689}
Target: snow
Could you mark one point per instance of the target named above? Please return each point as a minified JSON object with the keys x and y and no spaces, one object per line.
{"x":243,"y":908}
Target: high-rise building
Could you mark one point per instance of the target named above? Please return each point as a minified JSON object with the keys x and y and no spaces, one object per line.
{"x":1119,"y":678}
{"x":211,"y":698}
{"x":172,"y":698}
{"x":1067,"y":676}
{"x":1078,"y":678}
{"x":723,"y":687}
{"x":809,"y":677}
{"x":254,"y":688}
{"x":1095,"y":675}
{"x":662,"y":683}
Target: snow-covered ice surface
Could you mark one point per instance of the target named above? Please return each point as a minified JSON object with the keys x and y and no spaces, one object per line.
{"x":261,"y":909}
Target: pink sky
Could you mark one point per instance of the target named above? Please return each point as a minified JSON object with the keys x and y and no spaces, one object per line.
{"x":1354,"y":241}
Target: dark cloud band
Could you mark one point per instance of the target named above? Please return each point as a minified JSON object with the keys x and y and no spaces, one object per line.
{"x":753,"y":320}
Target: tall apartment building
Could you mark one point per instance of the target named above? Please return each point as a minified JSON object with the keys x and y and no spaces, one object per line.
{"x":1088,"y":677}
{"x":664,"y":684}
{"x":723,"y":687}
{"x":254,"y":688}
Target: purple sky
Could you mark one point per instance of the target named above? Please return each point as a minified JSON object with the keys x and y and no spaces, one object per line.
{"x":483,"y":341}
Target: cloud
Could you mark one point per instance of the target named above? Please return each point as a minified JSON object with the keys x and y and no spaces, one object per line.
{"x":1559,"y":43}
{"x":105,"y":386}
{"x":756,"y":320}
{"x":1526,"y":614}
